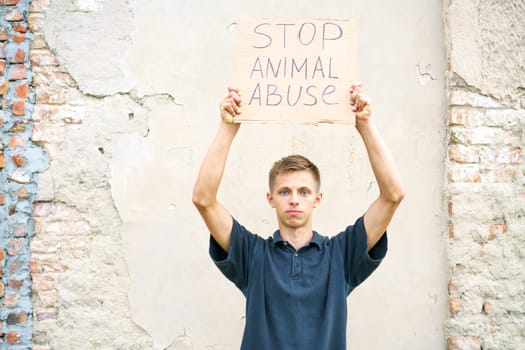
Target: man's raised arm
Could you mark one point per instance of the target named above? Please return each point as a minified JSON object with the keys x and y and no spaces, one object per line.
{"x":217,"y":218}
{"x":391,"y":191}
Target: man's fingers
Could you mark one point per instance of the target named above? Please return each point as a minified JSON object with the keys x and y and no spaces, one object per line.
{"x":363,"y":102}
{"x":354,"y":94}
{"x":235,"y":95}
{"x":231,"y":108}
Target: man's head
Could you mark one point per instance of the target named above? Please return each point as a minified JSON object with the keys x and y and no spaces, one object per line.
{"x":293,"y":163}
{"x":294,"y":191}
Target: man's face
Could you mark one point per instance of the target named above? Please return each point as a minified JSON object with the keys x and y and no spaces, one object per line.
{"x":294,"y":196}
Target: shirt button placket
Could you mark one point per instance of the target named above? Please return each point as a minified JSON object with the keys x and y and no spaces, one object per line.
{"x":296,"y":267}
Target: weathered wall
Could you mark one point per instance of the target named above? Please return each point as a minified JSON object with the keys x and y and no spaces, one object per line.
{"x":126,"y":105}
{"x":21,"y":161}
{"x":485,"y":174}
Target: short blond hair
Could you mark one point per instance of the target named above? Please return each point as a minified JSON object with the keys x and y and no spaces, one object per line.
{"x":294,"y":162}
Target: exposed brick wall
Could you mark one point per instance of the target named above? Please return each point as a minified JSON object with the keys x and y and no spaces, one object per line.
{"x":59,"y":229}
{"x":486,"y":202}
{"x":485,"y":168}
{"x":80,"y":286}
{"x":21,"y":161}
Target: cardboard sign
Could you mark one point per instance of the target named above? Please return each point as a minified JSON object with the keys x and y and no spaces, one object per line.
{"x":296,"y":71}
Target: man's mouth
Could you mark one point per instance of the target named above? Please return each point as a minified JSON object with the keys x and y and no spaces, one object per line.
{"x":293,"y":212}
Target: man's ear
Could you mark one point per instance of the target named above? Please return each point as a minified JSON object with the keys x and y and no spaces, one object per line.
{"x":318,"y":198}
{"x":269,"y":197}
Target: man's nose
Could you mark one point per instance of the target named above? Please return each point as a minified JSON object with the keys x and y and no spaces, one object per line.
{"x":294,"y":198}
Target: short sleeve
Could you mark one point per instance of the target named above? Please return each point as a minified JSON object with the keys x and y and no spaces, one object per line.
{"x":235,"y":263}
{"x":359,"y":263}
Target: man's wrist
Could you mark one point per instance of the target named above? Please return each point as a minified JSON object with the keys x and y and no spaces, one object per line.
{"x":364,"y":124}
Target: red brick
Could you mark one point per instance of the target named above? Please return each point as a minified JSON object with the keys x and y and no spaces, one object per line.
{"x":19,"y":38}
{"x":43,"y":58}
{"x":2,"y":201}
{"x":463,"y":343}
{"x":18,"y":160}
{"x":48,"y":133}
{"x":15,"y":284}
{"x":2,"y":163}
{"x":451,"y":231}
{"x":42,"y":246}
{"x":46,"y":95}
{"x":18,"y":108}
{"x":466,"y":117}
{"x":11,"y":300}
{"x":470,"y":174}
{"x":34,"y":265}
{"x":74,"y":228}
{"x":18,"y":72}
{"x":39,"y":5}
{"x":514,"y":156}
{"x":19,"y":56}
{"x":14,"y":15}
{"x":53,"y":77}
{"x":501,"y":175}
{"x":48,"y":298}
{"x":12,"y":337}
{"x":35,"y":22}
{"x":4,"y":87}
{"x":15,"y":265}
{"x":9,"y":2}
{"x":454,"y":306}
{"x":20,"y":28}
{"x":22,"y":90}
{"x":16,"y":141}
{"x":2,"y":50}
{"x":2,"y":67}
{"x":496,"y":229}
{"x":14,"y":247}
{"x":44,"y":113}
{"x":44,"y":209}
{"x":21,"y":194}
{"x":47,"y":314}
{"x":2,"y":289}
{"x":453,"y":288}
{"x":39,"y":42}
{"x":17,"y":318}
{"x":52,"y":264}
{"x":42,"y":281}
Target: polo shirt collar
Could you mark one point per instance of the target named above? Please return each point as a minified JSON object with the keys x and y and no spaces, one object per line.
{"x":317,"y":239}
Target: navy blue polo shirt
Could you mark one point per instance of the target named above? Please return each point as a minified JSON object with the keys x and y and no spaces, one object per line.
{"x":296,"y":299}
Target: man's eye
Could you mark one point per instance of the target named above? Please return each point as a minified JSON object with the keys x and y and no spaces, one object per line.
{"x":305,"y":193}
{"x":283,"y":193}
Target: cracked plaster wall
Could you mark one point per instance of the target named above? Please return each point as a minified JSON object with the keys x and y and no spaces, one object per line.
{"x":152,"y":74}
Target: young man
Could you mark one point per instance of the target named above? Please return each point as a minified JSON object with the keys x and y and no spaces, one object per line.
{"x":297,"y":281}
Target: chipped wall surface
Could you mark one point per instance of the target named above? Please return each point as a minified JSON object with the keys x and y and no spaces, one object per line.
{"x":126,"y":127}
{"x":485,"y":174}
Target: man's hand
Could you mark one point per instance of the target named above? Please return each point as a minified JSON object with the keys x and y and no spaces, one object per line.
{"x":230,"y":106}
{"x":360,"y":103}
